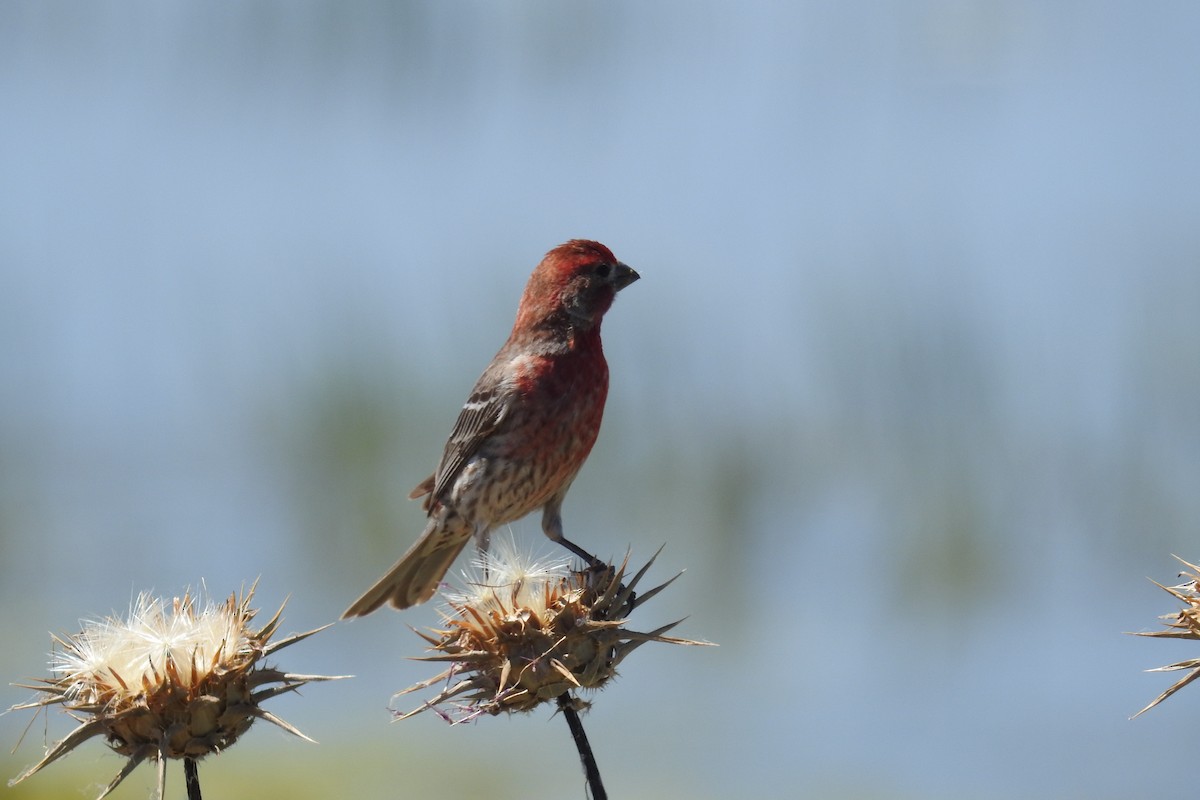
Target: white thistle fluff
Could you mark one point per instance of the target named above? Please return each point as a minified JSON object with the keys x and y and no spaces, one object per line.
{"x":504,"y":577}
{"x":134,"y":652}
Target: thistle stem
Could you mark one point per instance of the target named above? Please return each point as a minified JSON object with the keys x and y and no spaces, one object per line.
{"x":191,"y":778}
{"x":567,"y":706}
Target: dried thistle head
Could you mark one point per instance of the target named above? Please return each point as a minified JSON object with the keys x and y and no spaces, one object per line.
{"x":522,"y":634}
{"x":171,"y":680}
{"x":1183,"y":624}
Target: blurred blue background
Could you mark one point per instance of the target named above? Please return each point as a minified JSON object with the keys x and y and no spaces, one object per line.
{"x":909,"y":386}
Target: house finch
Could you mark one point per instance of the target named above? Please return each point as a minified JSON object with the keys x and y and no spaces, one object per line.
{"x":526,"y":428}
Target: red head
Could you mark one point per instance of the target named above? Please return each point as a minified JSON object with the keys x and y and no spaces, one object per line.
{"x":573,"y":286}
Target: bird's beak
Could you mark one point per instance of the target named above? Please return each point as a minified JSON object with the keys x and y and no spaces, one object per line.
{"x":623,"y":276}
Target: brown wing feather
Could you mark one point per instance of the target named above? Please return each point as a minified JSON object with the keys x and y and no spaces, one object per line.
{"x":423,"y":488}
{"x":478,"y":419}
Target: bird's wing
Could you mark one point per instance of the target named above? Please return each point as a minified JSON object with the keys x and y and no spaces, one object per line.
{"x":479,"y":418}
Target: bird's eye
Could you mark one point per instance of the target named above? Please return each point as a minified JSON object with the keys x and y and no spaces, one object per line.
{"x":602,"y":270}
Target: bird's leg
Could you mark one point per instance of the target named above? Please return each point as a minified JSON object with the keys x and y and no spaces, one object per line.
{"x":591,"y":560}
{"x":483,"y":540}
{"x":552,"y":526}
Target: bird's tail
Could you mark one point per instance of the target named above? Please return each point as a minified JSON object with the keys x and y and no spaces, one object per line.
{"x":415,"y":577}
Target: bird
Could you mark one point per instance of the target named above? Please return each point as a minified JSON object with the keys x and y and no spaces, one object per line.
{"x":526,"y":428}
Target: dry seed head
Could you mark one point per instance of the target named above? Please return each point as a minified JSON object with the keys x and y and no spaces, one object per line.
{"x":1183,"y":624}
{"x":169,"y":681}
{"x":523,"y":635}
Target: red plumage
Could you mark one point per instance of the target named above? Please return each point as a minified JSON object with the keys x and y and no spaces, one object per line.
{"x":526,"y":428}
